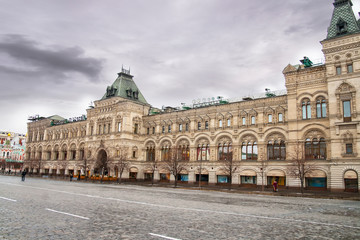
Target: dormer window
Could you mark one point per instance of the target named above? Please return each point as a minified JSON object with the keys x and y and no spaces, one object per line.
{"x":129,"y":92}
{"x":341,"y":27}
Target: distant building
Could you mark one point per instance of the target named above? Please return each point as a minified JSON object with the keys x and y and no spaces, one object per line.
{"x":12,"y":151}
{"x":318,"y":115}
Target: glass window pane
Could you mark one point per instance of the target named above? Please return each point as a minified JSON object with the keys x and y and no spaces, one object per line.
{"x":350,"y":68}
{"x":338,"y":70}
{"x":323,"y":107}
{"x":280,"y":117}
{"x":270,"y":118}
{"x":318,"y":110}
{"x":243,"y":121}
{"x":220,"y":123}
{"x":243,"y":152}
{"x":347,"y":112}
{"x":303,"y":112}
{"x":308,"y":109}
{"x":253,"y":120}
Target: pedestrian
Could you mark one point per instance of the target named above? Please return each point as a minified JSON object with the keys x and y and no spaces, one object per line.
{"x":70,"y":176}
{"x":23,"y":175}
{"x":78,"y":176}
{"x":275,"y":186}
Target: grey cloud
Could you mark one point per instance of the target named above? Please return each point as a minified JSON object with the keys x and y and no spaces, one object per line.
{"x":57,"y":59}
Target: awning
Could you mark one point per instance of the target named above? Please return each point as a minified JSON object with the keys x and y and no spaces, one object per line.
{"x":250,"y":173}
{"x":276,"y":173}
{"x":316,"y":174}
{"x":350,"y":174}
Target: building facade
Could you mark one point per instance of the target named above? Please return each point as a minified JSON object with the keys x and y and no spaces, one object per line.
{"x":316,"y":120}
{"x":12,"y":151}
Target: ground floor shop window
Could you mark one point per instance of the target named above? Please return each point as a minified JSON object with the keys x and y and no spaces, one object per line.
{"x":46,"y":171}
{"x":248,"y":179}
{"x":280,"y":180}
{"x":132,"y":175}
{"x":316,"y":182}
{"x":164,"y":176}
{"x":148,"y":176}
{"x":183,"y":177}
{"x":204,"y":177}
{"x":222,"y":179}
{"x":351,"y":181}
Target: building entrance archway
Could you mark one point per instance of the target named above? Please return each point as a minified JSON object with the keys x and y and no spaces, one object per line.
{"x":101,"y":166}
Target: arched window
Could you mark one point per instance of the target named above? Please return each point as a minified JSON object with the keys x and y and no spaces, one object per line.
{"x":150,"y":154}
{"x":183,"y":152}
{"x":224,"y":151}
{"x":320,"y":108}
{"x":315,"y":149}
{"x":203,"y":152}
{"x":276,"y":150}
{"x":165,"y":153}
{"x":249,"y":151}
{"x":306,"y":109}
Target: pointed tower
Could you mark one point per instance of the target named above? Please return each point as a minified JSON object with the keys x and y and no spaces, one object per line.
{"x":343,"y":21}
{"x":125,"y":87}
{"x":342,"y":61}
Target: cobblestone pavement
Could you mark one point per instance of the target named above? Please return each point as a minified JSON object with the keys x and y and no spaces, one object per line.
{"x":47,"y":209}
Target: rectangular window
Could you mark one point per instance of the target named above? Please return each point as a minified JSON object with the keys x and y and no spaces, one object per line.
{"x":186,"y":127}
{"x":136,"y":128}
{"x":338,"y":70}
{"x":180,"y":127}
{"x":243,"y":121}
{"x":169,"y":129}
{"x":163,"y":129}
{"x":253,"y":120}
{"x":347,"y":111}
{"x":134,"y":154}
{"x":349,"y":148}
{"x":99,"y":132}
{"x":153,"y":130}
{"x":228,"y":122}
{"x":206,"y":125}
{"x":280,"y":117}
{"x":119,"y":126}
{"x":199,"y":125}
{"x":148,"y":131}
{"x":308,"y":111}
{"x":270,"y":118}
{"x":350,"y":68}
{"x":109,"y":128}
{"x":220,"y":123}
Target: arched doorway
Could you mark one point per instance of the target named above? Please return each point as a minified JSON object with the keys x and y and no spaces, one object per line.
{"x":351,"y":181}
{"x":101,"y":166}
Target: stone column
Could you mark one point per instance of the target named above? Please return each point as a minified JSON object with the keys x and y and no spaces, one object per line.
{"x":212,"y":177}
{"x":192,"y":176}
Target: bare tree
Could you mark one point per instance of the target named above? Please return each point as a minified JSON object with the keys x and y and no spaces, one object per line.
{"x":229,"y":166}
{"x":62,"y":164}
{"x":85,"y":165}
{"x":121,"y":164}
{"x":299,"y":166}
{"x":152,"y":165}
{"x":175,"y":166}
{"x":102,"y":164}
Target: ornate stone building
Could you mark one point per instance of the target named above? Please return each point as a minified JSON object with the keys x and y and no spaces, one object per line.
{"x":316,"y":120}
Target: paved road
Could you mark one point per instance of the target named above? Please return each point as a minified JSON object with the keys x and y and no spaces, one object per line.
{"x":47,"y":209}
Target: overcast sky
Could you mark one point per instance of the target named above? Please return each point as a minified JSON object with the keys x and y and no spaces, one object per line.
{"x":58,"y":56}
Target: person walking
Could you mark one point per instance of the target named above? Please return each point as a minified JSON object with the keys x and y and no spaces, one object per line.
{"x":23,"y":174}
{"x":71,"y":176}
{"x":275,"y":186}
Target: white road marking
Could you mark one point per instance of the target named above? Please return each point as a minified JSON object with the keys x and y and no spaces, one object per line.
{"x":162,"y":236}
{"x":12,"y":200}
{"x":73,"y":215}
{"x":190,"y":209}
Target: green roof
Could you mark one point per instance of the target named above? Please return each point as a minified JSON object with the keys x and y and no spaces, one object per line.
{"x":125,"y":87}
{"x":343,"y":21}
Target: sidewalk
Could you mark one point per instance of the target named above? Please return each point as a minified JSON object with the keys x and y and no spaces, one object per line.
{"x":288,"y":192}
